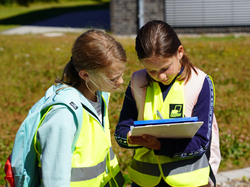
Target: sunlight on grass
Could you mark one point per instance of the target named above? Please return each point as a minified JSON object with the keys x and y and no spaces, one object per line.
{"x":6,"y":27}
{"x":30,"y":63}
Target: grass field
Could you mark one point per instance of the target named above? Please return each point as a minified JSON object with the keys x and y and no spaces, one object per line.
{"x":30,"y":63}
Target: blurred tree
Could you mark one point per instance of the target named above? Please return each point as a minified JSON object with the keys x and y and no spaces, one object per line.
{"x":6,"y":2}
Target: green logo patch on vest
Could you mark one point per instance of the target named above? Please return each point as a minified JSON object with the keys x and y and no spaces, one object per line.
{"x":175,"y":110}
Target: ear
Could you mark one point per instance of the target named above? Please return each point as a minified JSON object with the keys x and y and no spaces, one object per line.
{"x":180,"y":52}
{"x":84,"y":75}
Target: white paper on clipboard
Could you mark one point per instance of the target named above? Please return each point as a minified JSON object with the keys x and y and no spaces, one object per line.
{"x":174,"y":130}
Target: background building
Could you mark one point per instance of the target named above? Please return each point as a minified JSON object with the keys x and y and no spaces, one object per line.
{"x":186,"y":16}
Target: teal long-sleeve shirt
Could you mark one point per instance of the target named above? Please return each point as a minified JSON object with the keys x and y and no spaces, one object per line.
{"x":56,"y":135}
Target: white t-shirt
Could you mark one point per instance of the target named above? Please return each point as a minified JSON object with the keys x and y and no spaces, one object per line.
{"x":97,"y":107}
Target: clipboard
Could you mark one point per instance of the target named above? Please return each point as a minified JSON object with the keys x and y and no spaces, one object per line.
{"x":167,"y":128}
{"x":165,"y":121}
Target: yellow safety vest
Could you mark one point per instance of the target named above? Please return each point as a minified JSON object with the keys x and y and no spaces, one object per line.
{"x":93,"y":162}
{"x":147,"y":169}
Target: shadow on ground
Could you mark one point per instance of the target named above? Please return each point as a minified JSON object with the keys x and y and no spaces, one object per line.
{"x":89,"y":16}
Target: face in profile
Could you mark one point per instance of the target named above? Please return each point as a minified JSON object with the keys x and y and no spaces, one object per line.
{"x":109,"y":79}
{"x":114,"y":74}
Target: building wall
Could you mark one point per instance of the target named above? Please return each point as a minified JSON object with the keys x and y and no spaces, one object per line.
{"x":124,"y":15}
{"x":153,"y":10}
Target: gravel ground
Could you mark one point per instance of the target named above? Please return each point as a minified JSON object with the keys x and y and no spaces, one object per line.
{"x":235,"y":183}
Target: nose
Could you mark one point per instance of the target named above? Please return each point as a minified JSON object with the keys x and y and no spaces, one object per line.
{"x":120,"y":80}
{"x":162,"y":76}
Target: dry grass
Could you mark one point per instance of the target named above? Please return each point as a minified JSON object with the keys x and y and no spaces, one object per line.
{"x":30,"y":63}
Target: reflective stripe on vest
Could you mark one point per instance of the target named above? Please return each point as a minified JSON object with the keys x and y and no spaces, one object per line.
{"x":170,"y":168}
{"x":87,"y":173}
{"x":93,"y":161}
{"x":146,"y":168}
{"x":81,"y":174}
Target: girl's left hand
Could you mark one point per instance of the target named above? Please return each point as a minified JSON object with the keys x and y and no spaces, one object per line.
{"x":145,"y":141}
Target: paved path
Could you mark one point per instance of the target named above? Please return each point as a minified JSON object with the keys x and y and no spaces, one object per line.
{"x":50,"y":31}
{"x":234,"y":174}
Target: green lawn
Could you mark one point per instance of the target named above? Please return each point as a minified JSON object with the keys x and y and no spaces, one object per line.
{"x":30,"y":63}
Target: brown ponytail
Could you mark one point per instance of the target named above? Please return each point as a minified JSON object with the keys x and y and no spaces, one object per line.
{"x":187,"y":65}
{"x":70,"y":75}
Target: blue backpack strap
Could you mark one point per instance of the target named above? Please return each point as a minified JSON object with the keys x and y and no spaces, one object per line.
{"x":23,"y":155}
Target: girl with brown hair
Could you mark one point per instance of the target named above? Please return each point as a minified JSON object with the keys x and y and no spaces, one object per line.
{"x":168,"y":80}
{"x":96,"y":68}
